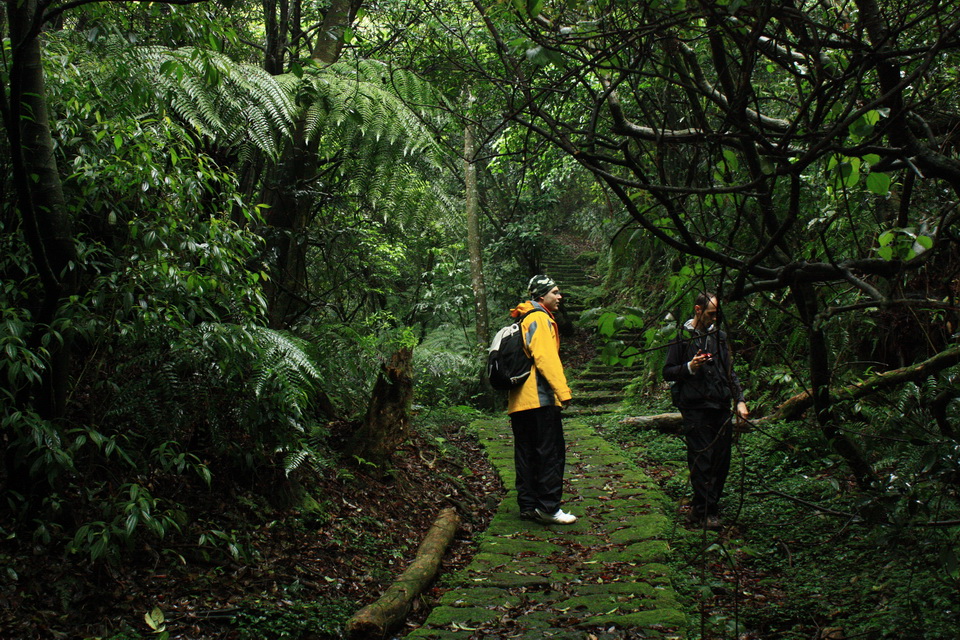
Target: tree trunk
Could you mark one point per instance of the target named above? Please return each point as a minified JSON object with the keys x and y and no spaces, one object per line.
{"x":387,"y":421}
{"x":375,"y":620}
{"x":471,"y":196}
{"x":289,"y":209}
{"x":44,"y":222}
{"x":819,"y":367}
{"x":40,"y":201}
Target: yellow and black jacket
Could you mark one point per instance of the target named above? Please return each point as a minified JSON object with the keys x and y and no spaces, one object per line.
{"x":547,"y":385}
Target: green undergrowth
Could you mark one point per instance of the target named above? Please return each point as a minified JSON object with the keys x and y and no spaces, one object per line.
{"x":803,"y":552}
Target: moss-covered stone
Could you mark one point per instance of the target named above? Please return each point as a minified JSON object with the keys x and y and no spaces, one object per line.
{"x":654,"y":574}
{"x":485,"y":561}
{"x":637,"y":589}
{"x":588,"y":541}
{"x":642,"y":527}
{"x":517,"y":547}
{"x":637,"y":597}
{"x":596,"y":604}
{"x":519,"y":578}
{"x":642,"y":552}
{"x":521,"y":584}
{"x":592,"y":492}
{"x":444,"y":616}
{"x":480,"y":597}
{"x":649,"y":618}
{"x":424,"y":633}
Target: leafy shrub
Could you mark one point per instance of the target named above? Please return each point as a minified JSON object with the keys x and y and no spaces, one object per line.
{"x":294,"y":618}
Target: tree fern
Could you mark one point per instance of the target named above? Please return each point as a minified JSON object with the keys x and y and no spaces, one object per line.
{"x":363,"y":103}
{"x":233,"y":103}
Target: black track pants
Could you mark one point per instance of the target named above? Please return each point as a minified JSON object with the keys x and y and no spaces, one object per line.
{"x":539,"y":454}
{"x":709,"y":435}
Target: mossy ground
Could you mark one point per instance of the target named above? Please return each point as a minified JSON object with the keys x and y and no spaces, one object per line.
{"x":603,"y":574}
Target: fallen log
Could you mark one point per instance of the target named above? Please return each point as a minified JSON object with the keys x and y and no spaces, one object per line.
{"x":795,"y":407}
{"x":672,"y":423}
{"x":663,"y":422}
{"x":377,"y":619}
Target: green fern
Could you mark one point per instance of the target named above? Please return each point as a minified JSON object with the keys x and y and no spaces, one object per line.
{"x":236,"y":104}
{"x":363,"y":104}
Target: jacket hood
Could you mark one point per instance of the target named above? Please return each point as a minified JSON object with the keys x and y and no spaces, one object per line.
{"x":526,"y":306}
{"x":688,"y":325}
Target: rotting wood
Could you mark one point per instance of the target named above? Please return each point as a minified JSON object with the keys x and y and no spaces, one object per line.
{"x":387,"y":423}
{"x":672,"y":423}
{"x":376,"y":619}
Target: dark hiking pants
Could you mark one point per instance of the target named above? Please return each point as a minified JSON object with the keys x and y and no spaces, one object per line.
{"x":709,"y":436}
{"x":539,"y":455}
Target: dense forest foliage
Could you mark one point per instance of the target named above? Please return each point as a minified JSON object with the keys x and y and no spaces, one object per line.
{"x":252,"y":243}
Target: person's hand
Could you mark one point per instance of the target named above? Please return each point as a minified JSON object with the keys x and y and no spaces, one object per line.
{"x":699,"y":360}
{"x":742,"y":412}
{"x":564,"y":404}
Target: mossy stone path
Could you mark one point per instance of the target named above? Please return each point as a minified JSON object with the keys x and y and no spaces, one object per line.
{"x":602,"y":577}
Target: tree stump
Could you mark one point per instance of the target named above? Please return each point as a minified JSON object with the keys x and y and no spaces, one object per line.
{"x":386,"y":424}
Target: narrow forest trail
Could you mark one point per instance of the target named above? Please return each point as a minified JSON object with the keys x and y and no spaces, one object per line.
{"x":603,"y":577}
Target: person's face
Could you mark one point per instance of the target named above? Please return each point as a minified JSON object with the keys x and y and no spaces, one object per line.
{"x":704,"y":317}
{"x":551,"y":300}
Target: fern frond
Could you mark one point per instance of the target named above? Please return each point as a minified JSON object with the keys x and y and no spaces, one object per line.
{"x":367,"y":102}
{"x":237,"y":105}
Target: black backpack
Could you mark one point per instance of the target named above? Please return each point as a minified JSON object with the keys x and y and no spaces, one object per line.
{"x":508,"y":365}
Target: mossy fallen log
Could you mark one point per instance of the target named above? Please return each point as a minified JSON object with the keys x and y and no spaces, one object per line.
{"x":794,"y":407}
{"x":663,"y":422}
{"x":672,"y":423}
{"x":378,"y":618}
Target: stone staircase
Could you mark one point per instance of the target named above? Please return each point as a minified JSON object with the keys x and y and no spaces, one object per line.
{"x":597,"y":387}
{"x":576,"y":285}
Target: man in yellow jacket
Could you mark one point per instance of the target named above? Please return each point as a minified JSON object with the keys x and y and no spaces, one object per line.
{"x":534,"y":408}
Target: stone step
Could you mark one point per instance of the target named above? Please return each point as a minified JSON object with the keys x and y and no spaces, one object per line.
{"x":594,"y":371}
{"x":593,"y":398}
{"x":602,"y":384}
{"x":591,"y":410}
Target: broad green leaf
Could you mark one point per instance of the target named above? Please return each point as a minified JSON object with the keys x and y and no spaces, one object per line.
{"x":606,"y":324}
{"x":878,"y":183}
{"x":730,"y":159}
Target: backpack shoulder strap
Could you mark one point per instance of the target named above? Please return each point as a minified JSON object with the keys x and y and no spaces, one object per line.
{"x":534,"y":310}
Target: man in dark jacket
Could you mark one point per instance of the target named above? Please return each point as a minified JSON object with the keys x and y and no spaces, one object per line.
{"x":704,"y":384}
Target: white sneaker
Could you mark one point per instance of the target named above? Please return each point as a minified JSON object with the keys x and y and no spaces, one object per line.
{"x":559,"y":517}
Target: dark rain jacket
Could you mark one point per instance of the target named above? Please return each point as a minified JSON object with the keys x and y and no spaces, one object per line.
{"x":714,"y":383}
